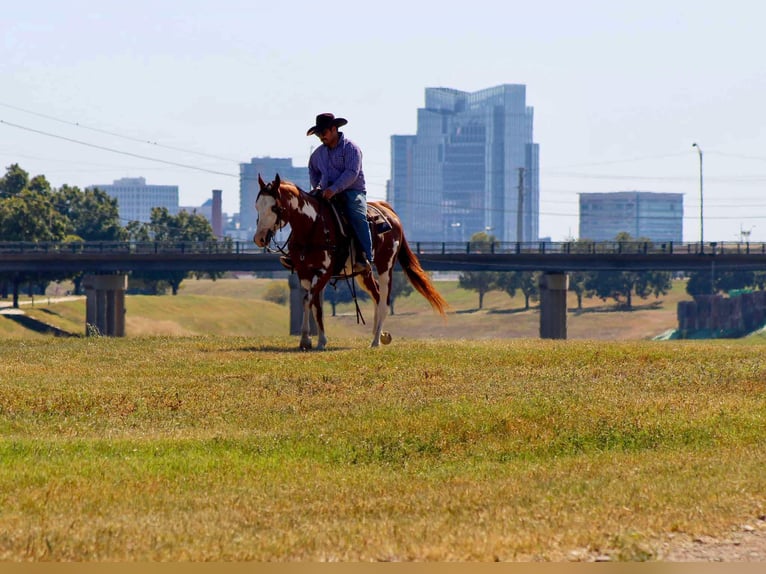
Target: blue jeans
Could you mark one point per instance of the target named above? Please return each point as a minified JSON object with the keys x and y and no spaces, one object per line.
{"x":355,"y":204}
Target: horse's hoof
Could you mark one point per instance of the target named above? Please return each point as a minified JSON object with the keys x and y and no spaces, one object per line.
{"x":305,"y":346}
{"x":385,"y":337}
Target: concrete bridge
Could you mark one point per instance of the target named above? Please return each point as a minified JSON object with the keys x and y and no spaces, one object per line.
{"x":106,"y":265}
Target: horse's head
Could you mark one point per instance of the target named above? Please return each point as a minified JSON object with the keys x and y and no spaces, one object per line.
{"x":269,"y":211}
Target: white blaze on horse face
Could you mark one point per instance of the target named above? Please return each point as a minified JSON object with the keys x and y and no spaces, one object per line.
{"x":267,"y":219}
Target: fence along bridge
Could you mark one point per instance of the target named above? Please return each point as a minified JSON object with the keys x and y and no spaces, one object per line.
{"x":107,"y":263}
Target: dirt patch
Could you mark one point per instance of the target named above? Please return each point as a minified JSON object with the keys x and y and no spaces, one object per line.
{"x":746,"y":543}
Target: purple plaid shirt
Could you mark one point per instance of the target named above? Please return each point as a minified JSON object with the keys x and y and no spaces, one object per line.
{"x":339,"y":168}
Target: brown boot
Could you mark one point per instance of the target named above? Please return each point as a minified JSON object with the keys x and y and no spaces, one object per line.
{"x":362,"y":265}
{"x":286,"y":262}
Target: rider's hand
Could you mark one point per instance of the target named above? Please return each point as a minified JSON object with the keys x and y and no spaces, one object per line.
{"x":329,"y":194}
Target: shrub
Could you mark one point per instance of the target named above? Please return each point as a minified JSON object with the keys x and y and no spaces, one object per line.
{"x":278,"y":292}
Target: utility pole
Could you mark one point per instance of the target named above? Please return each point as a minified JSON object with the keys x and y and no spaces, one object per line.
{"x":702,"y":226}
{"x":520,"y":208}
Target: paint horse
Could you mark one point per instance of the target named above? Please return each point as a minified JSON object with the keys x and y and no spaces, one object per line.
{"x":319,"y":249}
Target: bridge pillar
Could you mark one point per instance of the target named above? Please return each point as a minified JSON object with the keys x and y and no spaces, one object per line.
{"x":296,"y":307}
{"x":105,"y":304}
{"x":553,"y":305}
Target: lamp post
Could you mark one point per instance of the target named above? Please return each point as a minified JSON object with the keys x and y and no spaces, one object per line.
{"x":702,"y":227}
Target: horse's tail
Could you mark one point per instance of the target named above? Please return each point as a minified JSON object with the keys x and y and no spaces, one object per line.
{"x":419,"y":278}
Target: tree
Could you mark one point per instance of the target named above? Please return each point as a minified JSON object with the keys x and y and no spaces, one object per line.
{"x":340,"y":292}
{"x":400,"y":287}
{"x":578,"y":280}
{"x":184,"y":227}
{"x":30,"y":216}
{"x":621,"y":285}
{"x":13,"y":182}
{"x":481,"y":281}
{"x":529,"y":284}
{"x":93,"y":216}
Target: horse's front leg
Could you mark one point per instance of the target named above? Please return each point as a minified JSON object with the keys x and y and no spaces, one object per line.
{"x":305,"y":343}
{"x":316,"y":306}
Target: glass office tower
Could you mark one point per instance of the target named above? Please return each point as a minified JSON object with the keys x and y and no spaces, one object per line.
{"x":472,"y":166}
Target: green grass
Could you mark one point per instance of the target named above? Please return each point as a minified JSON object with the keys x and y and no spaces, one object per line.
{"x":239,"y":448}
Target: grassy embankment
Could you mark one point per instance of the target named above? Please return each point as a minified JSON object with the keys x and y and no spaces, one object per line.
{"x":235,"y":448}
{"x":235,"y":307}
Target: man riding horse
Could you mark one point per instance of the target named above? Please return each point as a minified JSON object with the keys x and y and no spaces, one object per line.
{"x":335,"y":172}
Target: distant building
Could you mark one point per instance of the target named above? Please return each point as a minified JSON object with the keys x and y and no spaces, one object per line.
{"x":655,"y":216}
{"x":212,"y":211}
{"x":268,"y":168}
{"x":135,"y":199}
{"x":463,"y":171}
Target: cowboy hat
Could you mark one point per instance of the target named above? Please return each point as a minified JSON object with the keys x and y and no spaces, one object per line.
{"x":325,"y":121}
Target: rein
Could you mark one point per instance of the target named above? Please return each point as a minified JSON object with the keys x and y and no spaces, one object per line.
{"x":317,"y":246}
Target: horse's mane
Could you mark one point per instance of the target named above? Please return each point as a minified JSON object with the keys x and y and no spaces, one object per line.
{"x":291,"y":187}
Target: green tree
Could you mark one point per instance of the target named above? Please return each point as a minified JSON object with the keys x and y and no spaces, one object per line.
{"x":622,"y":285}
{"x":93,"y":216}
{"x":92,"y":213}
{"x":164,"y":227}
{"x":13,"y":182}
{"x":400,"y":287}
{"x":529,"y":285}
{"x":578,"y":280}
{"x":29,"y":216}
{"x":480,"y":281}
{"x":340,"y":292}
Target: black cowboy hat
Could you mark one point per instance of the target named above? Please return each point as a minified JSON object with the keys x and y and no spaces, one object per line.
{"x":325,"y":121}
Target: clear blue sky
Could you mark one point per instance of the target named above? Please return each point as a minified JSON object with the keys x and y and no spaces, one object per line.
{"x":620,"y":89}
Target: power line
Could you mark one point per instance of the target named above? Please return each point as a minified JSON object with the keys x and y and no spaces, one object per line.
{"x":113,"y":150}
{"x":115,"y":134}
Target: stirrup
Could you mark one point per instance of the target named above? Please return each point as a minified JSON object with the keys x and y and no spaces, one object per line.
{"x":286,"y":262}
{"x":362,"y":265}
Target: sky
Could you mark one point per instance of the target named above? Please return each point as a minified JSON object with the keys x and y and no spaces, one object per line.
{"x":183,"y":91}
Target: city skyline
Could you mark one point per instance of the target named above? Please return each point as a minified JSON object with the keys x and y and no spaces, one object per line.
{"x":465,"y":165}
{"x":182,"y":93}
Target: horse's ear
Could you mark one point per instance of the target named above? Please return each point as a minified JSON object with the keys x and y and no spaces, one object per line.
{"x":260,"y":181}
{"x":277,"y":181}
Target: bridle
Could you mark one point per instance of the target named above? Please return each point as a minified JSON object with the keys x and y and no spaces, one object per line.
{"x":278,"y":224}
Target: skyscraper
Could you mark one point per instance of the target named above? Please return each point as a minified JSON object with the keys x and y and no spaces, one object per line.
{"x":267,"y":167}
{"x":463,"y":170}
{"x":642,"y":214}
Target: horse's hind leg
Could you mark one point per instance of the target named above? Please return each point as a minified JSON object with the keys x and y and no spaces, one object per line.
{"x":316,"y":307}
{"x":379,"y":292}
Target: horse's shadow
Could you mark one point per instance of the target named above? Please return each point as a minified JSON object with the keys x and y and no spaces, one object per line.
{"x":287,"y":350}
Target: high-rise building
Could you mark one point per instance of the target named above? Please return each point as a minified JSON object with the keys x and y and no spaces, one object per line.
{"x":464,"y":170}
{"x":268,"y":168}
{"x":642,"y":214}
{"x":135,"y":199}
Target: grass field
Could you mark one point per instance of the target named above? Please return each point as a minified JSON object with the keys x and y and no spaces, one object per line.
{"x":204,"y":435}
{"x":240,"y":448}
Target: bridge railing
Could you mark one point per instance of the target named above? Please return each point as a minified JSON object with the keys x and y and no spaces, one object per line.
{"x":589,"y":247}
{"x":129,"y":247}
{"x":424,"y":248}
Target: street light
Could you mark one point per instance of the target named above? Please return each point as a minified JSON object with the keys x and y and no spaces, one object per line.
{"x":702,"y":227}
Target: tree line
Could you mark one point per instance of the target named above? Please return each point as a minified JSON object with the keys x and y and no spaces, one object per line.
{"x":32,"y":211}
{"x":620,"y":286}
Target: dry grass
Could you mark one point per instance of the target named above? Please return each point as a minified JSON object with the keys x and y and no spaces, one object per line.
{"x":239,"y":448}
{"x":236,"y":307}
